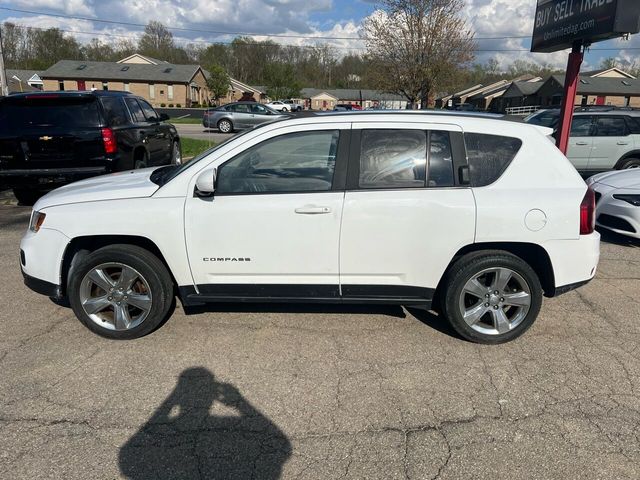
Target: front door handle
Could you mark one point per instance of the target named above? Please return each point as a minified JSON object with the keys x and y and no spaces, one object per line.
{"x":623,"y":143}
{"x":313,"y":210}
{"x":582,"y":143}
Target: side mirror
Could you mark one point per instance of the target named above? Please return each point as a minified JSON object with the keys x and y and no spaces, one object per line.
{"x":206,"y":183}
{"x":164,"y":117}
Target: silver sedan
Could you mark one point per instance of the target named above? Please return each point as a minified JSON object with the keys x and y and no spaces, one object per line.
{"x":239,"y":115}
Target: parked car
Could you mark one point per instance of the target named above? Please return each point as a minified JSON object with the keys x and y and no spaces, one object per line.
{"x":618,"y":201}
{"x":238,"y":116}
{"x":601,"y":139}
{"x":48,"y":139}
{"x":341,"y":107}
{"x":279,"y":106}
{"x":293,"y":105}
{"x":473,"y":216}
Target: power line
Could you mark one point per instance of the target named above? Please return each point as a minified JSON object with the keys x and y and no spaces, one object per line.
{"x":220,"y":32}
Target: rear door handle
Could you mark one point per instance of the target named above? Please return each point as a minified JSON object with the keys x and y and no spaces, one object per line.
{"x":313,"y":210}
{"x":623,"y":143}
{"x":582,"y":143}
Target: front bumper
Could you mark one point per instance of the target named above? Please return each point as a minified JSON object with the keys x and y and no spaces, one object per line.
{"x":616,"y":215}
{"x":41,"y":257}
{"x":42,"y":286}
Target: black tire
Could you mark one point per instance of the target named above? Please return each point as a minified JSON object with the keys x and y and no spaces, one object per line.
{"x":225,"y":126}
{"x":27,"y":196}
{"x":475,"y":263}
{"x":141,"y":162}
{"x":630,"y":163}
{"x":148,"y":265}
{"x":176,"y":153}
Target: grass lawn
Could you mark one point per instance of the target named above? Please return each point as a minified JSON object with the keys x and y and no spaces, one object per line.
{"x":192,"y":147}
{"x":186,"y":120}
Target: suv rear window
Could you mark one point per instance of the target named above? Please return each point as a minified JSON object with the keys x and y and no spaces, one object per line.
{"x":48,"y":112}
{"x":489,"y":156}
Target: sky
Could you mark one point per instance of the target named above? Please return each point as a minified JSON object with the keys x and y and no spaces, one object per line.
{"x":336,"y":22}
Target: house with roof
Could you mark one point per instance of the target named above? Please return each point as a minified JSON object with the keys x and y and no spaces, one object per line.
{"x":159,"y":82}
{"x":617,"y":91}
{"x":327,"y":99}
{"x":23,"y":80}
{"x":521,"y":93}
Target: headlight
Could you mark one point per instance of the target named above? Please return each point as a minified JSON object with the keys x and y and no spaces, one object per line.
{"x":632,"y":199}
{"x":37,"y":219}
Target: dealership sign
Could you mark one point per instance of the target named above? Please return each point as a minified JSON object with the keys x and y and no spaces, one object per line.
{"x":561,"y":23}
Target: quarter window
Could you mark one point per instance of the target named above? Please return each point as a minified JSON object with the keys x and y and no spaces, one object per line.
{"x":296,"y":162}
{"x":489,"y":156}
{"x":115,"y":111}
{"x":612,"y":127}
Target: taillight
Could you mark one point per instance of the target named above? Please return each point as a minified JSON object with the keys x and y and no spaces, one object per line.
{"x":109,"y":140}
{"x":588,"y":213}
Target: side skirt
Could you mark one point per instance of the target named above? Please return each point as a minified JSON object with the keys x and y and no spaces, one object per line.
{"x":351,"y":294}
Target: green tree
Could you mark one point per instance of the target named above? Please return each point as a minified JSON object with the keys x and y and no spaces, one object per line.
{"x":415,"y":45}
{"x":218,"y":81}
{"x":281,"y":81}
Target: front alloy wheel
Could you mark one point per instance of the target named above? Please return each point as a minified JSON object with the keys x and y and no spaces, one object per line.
{"x":115,"y":296}
{"x":120,"y":291}
{"x":176,"y":154}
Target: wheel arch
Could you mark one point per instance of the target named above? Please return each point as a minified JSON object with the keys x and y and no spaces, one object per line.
{"x":533,"y":254}
{"x":81,"y":246}
{"x":625,"y":157}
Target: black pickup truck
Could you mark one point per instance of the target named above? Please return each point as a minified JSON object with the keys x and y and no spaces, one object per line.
{"x":48,"y":139}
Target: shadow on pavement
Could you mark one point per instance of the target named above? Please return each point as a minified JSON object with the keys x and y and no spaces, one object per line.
{"x":183,"y":440}
{"x":390,"y":310}
{"x":437,"y":322}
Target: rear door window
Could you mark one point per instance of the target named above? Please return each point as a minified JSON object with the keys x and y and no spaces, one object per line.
{"x":135,"y":109}
{"x":489,"y":156}
{"x":48,"y":112}
{"x":582,"y":126}
{"x":149,"y":113}
{"x":611,"y":127}
{"x":115,"y":111}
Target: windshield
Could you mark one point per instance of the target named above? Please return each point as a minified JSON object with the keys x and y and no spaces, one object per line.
{"x":161,"y":176}
{"x":544,"y":119}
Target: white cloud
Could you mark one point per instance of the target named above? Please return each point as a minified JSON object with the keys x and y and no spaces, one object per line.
{"x":70,"y":7}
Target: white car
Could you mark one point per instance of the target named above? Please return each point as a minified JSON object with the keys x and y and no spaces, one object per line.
{"x":470,"y":215}
{"x":618,"y":201}
{"x":279,"y":106}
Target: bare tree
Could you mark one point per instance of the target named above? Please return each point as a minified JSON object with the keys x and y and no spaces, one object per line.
{"x":415,"y":44}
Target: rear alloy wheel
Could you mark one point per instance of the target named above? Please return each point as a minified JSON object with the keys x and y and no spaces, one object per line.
{"x":27,"y":196}
{"x":176,"y":154}
{"x":630,"y":163}
{"x":121,"y":292}
{"x":285,"y":109}
{"x":225,"y":126}
{"x":492,"y":297}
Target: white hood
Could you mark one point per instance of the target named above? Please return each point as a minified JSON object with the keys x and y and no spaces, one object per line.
{"x":130,"y":184}
{"x":619,"y":178}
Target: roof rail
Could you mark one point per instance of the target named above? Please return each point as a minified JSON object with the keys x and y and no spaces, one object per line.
{"x":602,"y":108}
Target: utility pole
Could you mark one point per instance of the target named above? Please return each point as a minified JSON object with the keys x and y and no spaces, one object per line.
{"x":4,"y":86}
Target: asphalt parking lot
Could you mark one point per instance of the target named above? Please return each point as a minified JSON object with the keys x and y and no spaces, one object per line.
{"x":320,"y":392}
{"x":200,"y":133}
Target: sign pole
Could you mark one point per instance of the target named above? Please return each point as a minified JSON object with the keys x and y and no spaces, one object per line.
{"x":4,"y":86}
{"x":570,"y":89}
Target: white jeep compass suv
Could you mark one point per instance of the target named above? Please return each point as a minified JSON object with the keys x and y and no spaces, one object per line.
{"x":474,"y":216}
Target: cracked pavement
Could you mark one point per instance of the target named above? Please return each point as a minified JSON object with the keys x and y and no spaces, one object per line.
{"x":309,"y":392}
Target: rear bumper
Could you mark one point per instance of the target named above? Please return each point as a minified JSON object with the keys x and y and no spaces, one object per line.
{"x":574,"y":262}
{"x":48,"y":176}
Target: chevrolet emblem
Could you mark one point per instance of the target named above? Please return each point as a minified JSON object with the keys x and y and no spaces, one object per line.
{"x":46,"y":138}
